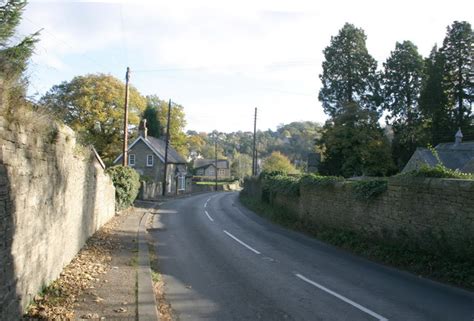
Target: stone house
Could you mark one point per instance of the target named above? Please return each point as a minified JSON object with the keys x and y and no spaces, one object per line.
{"x":456,"y":156}
{"x":146,"y":155}
{"x":206,"y":168}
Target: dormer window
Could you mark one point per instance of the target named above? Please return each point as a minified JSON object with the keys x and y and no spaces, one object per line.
{"x":149,"y":160}
{"x":131,"y":159}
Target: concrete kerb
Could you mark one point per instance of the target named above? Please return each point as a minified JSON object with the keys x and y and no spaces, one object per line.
{"x":146,"y":302}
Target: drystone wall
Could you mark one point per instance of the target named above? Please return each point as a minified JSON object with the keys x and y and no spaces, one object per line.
{"x":54,"y":195}
{"x":434,"y":213}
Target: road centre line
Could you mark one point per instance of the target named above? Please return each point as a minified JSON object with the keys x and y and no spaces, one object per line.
{"x":207,"y":201}
{"x":343,"y":298}
{"x":242,"y":243}
{"x":209,"y":216}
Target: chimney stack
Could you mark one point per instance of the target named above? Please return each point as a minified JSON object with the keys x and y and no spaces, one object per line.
{"x":458,"y":137}
{"x":142,"y":130}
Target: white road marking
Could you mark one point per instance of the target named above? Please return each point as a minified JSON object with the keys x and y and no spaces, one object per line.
{"x":242,"y":243}
{"x":209,"y":216}
{"x":205,"y":204}
{"x":343,"y":298}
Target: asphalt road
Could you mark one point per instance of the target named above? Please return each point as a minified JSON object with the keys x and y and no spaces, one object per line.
{"x":222,"y":262}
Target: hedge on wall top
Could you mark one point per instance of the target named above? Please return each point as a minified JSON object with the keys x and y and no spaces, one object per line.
{"x":127,"y":183}
{"x":320,"y":181}
{"x":282,"y":184}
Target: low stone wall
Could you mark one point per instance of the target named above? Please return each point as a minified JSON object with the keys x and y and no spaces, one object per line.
{"x":53,"y":196}
{"x":435,"y":213}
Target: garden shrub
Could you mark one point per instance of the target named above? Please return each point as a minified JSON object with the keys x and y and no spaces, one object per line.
{"x":127,"y":183}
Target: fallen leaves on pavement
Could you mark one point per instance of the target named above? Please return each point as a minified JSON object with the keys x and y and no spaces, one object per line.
{"x":56,"y":302}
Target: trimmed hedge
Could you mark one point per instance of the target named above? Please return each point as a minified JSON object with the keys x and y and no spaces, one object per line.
{"x":127,"y":184}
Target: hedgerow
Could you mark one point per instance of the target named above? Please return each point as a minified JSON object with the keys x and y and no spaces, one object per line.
{"x":282,"y":184}
{"x":320,"y":181}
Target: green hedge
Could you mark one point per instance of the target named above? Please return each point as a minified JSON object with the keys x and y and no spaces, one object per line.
{"x":127,"y":184}
{"x":438,"y":171}
{"x":282,"y":184}
{"x":320,"y":181}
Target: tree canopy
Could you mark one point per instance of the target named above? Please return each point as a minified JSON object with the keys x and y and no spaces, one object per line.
{"x":14,"y":54}
{"x":277,"y":162}
{"x":458,"y":80}
{"x":93,"y":105}
{"x":349,"y":73}
{"x":157,"y":109}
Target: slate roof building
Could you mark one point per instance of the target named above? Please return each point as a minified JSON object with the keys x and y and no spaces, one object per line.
{"x":206,"y":168}
{"x":146,"y":155}
{"x":457,"y":156}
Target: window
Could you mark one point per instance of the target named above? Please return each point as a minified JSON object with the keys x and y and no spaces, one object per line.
{"x":221,"y":172}
{"x":131,"y":159}
{"x":149,"y":160}
{"x":181,"y":183}
{"x":211,"y":171}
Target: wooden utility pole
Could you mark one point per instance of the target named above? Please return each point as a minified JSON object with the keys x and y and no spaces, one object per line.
{"x":254,"y":152}
{"x":163,"y":192}
{"x":215,"y":155}
{"x":125,"y":121}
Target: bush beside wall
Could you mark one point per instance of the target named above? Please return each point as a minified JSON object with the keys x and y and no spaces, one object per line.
{"x":127,"y":185}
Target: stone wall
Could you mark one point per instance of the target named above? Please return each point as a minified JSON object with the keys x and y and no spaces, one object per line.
{"x":435,"y":213}
{"x":53,"y":196}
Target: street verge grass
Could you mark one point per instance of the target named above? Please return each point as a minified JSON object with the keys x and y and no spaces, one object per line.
{"x":454,"y":270}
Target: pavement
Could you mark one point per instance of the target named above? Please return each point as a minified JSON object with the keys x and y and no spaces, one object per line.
{"x":125,"y":291}
{"x":220,"y":261}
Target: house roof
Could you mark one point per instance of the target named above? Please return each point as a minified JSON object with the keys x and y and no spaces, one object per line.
{"x":158,"y":147}
{"x":453,"y":155}
{"x":202,"y":162}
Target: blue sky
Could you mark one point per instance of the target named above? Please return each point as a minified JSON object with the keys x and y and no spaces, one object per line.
{"x":220,"y":59}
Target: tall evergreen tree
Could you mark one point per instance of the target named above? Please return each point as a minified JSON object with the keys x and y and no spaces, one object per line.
{"x":433,"y":101}
{"x":353,"y":142}
{"x":458,"y":51}
{"x":152,"y":120}
{"x":13,"y":55}
{"x":349,"y":73}
{"x":402,"y":79}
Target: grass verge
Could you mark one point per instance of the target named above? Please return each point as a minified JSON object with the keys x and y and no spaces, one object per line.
{"x":456,"y":271}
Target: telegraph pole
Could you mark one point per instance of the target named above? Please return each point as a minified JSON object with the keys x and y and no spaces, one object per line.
{"x":163,"y":192}
{"x":215,"y":155}
{"x":125,"y":121}
{"x":254,"y":152}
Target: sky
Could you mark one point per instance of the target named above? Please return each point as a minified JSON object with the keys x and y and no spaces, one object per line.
{"x":221,"y":59}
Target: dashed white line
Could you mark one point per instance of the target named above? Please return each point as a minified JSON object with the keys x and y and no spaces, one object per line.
{"x":207,"y":201}
{"x":242,"y":243}
{"x":209,"y":216}
{"x":343,"y":298}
